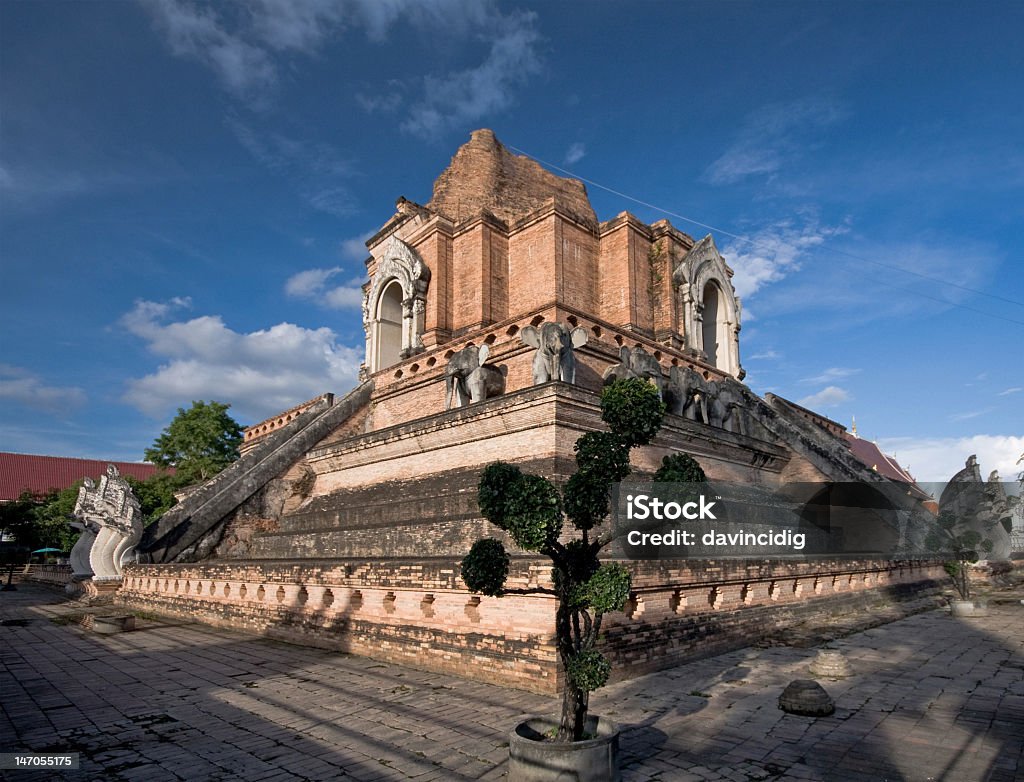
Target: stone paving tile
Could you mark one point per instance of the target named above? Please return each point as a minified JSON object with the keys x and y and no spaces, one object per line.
{"x":930,"y":698}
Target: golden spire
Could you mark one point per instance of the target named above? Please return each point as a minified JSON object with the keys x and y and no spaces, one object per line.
{"x":853,"y":429}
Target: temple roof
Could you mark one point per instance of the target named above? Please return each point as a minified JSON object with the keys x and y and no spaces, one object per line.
{"x":40,"y":474}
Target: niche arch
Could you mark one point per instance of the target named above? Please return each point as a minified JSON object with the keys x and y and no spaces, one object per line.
{"x":708,"y":308}
{"x":394,"y":305}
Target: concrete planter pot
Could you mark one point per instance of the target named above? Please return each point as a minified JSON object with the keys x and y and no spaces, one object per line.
{"x":968,"y":608}
{"x":532,"y":757}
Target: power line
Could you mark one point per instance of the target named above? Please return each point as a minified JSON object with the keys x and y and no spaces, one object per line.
{"x":756,"y":242}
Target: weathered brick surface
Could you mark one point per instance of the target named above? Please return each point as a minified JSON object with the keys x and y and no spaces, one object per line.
{"x":419,"y":613}
{"x":483,"y":175}
{"x":353,"y":540}
{"x":535,"y":423}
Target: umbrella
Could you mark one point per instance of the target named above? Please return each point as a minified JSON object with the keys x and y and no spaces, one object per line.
{"x":47,"y":550}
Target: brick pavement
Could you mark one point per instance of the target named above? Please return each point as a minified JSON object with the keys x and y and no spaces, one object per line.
{"x":931,"y":698}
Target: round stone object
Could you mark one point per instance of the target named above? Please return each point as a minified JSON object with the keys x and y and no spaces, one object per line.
{"x":830,"y":664}
{"x":806,"y":697}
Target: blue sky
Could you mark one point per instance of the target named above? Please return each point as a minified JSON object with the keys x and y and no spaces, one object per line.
{"x":185,"y":188}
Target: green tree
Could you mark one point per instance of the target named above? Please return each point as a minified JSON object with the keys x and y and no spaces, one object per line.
{"x":17,"y":531}
{"x":531,"y":510}
{"x":198,"y":443}
{"x":44,"y":521}
{"x":52,"y":519}
{"x":156,"y":493}
{"x":951,"y":537}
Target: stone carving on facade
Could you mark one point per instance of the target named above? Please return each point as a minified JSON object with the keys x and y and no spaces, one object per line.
{"x":555,"y":343}
{"x":718,"y":403}
{"x":702,"y":270}
{"x":688,"y":394}
{"x":1017,"y":519}
{"x":728,"y":410}
{"x":636,"y":362}
{"x":398,"y":262}
{"x":620,"y":371}
{"x":467,"y":380}
{"x":981,"y":506}
{"x":648,"y":367}
{"x":111,"y":522}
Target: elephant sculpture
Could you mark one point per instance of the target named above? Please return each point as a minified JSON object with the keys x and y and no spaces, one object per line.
{"x":647,"y":366}
{"x":467,"y":380}
{"x":636,"y":363}
{"x":730,"y":409}
{"x":620,"y":371}
{"x":555,"y":344}
{"x":688,"y":392}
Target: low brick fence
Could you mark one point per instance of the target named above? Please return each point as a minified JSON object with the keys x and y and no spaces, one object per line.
{"x":58,"y":575}
{"x":420,"y":614}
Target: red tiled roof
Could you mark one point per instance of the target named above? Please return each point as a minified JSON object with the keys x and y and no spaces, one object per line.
{"x":40,"y":474}
{"x":871,"y":455}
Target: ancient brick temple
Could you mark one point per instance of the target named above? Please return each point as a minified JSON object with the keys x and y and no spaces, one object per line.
{"x":494,"y":314}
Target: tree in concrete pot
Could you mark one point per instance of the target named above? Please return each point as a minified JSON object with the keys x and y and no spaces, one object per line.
{"x":962,"y":546}
{"x":532,"y":510}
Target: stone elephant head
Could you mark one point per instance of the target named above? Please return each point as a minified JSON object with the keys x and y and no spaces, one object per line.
{"x":729,"y":407}
{"x":644,"y":365}
{"x":620,"y":371}
{"x":467,"y":380}
{"x":555,"y":343}
{"x":688,"y":392}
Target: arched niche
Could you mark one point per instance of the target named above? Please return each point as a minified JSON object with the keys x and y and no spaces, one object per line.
{"x":713,"y":333}
{"x":394,"y":305}
{"x":388,"y":325}
{"x":709,"y":310}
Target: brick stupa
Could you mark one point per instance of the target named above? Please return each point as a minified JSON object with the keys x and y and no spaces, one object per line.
{"x":344,"y":521}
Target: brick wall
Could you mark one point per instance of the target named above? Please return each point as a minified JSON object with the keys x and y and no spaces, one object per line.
{"x":419,"y":614}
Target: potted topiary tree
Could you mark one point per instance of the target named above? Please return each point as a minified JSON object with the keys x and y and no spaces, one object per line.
{"x":962,"y":546}
{"x":531,"y":510}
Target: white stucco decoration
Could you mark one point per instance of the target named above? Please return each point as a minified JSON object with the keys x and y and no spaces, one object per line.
{"x":398,"y":262}
{"x":701,"y":266}
{"x":111,"y":520}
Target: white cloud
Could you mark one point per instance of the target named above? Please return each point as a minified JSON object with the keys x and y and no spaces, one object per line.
{"x":282,"y":153}
{"x":775,"y":251}
{"x":309,"y":283}
{"x":258,"y":373}
{"x":286,"y":25}
{"x":849,"y":290}
{"x":243,"y":67}
{"x":575,"y":153}
{"x":1009,"y":391}
{"x":344,"y":297}
{"x":827,"y":397}
{"x":940,"y":458}
{"x":249,"y":47}
{"x":766,"y":355}
{"x":312,"y":284}
{"x":384,"y":104}
{"x":317,"y":170}
{"x":354,"y":249}
{"x":770,"y":137}
{"x":19,"y":386}
{"x":466,"y":96}
{"x":831,"y":374}
{"x":969,"y":415}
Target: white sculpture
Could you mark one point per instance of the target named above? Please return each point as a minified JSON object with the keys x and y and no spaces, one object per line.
{"x":554,"y":359}
{"x":111,"y":522}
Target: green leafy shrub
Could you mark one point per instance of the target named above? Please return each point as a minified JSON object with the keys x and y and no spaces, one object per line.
{"x":531,"y":510}
{"x":952,"y":538}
